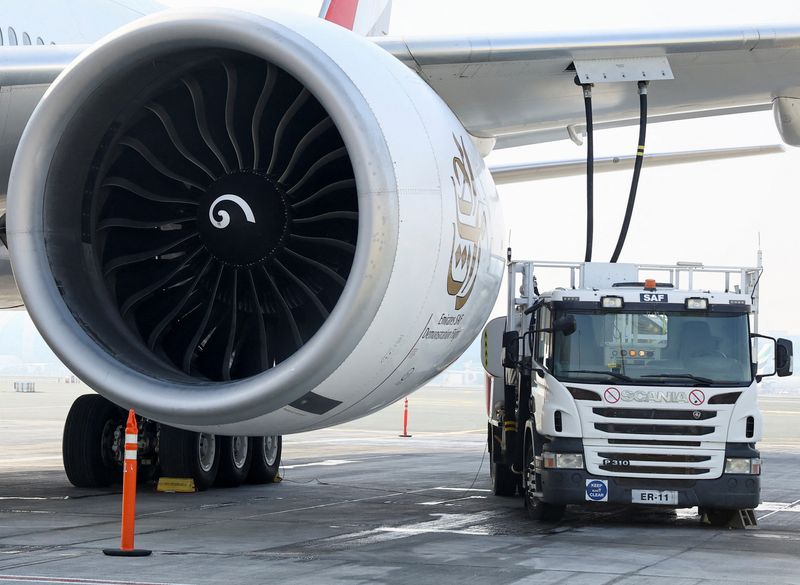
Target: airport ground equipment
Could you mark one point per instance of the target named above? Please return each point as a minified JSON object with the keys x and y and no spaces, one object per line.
{"x":128,"y":531}
{"x":631,"y":384}
{"x":93,"y":449}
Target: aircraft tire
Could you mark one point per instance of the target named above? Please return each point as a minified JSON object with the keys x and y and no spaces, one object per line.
{"x":235,"y":460}
{"x":191,"y":455}
{"x":266,"y":463}
{"x":86,"y":445}
{"x":719,"y":518}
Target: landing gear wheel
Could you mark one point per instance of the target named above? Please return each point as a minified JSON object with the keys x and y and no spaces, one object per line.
{"x":531,"y":485}
{"x":719,"y":518}
{"x":235,"y":459}
{"x":88,"y":443}
{"x":188,"y":454}
{"x":504,"y":481}
{"x":266,"y":459}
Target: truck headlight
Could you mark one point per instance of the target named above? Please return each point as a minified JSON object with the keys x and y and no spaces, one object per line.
{"x":697,"y":304}
{"x":562,"y":460}
{"x":745,"y":466}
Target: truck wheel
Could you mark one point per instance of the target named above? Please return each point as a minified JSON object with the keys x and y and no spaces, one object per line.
{"x":537,"y":509}
{"x":188,"y":454}
{"x":266,"y":459}
{"x":504,"y":481}
{"x":235,"y":458}
{"x":88,"y":443}
{"x":719,"y":518}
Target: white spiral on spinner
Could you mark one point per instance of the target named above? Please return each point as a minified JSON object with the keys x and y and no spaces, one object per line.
{"x":224,"y":217}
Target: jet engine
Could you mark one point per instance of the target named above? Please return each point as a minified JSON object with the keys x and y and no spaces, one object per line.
{"x":251,"y":224}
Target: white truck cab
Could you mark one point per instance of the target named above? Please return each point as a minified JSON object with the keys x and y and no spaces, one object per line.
{"x":626,"y":388}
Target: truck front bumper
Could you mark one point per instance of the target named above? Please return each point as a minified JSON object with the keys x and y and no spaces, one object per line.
{"x":730,"y":491}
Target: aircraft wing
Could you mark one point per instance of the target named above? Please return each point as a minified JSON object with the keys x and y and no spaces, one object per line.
{"x":520,"y":89}
{"x":533,"y":171}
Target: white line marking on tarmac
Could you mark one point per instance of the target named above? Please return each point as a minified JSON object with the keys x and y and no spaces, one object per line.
{"x":415,"y":531}
{"x":468,"y":524}
{"x":437,"y":502}
{"x":76,"y":580}
{"x":326,"y":463}
{"x":777,"y":507}
{"x":461,"y":489}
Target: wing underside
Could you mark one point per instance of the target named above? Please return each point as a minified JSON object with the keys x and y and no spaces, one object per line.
{"x":518,"y":90}
{"x":521,"y":90}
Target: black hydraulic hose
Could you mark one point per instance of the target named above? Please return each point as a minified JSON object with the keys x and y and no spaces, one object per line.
{"x":587,"y":101}
{"x":637,"y":169}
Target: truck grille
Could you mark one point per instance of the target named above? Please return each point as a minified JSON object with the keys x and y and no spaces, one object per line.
{"x":630,"y":463}
{"x":640,"y":442}
{"x":644,"y":461}
{"x":629,"y":429}
{"x":654,"y":414}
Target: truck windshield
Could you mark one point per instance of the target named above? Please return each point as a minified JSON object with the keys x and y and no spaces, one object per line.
{"x":680,"y":348}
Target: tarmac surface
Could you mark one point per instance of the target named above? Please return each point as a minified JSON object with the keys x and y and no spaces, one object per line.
{"x":358,"y":504}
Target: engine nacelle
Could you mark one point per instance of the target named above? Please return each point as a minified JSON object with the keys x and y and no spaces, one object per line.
{"x":251,"y":225}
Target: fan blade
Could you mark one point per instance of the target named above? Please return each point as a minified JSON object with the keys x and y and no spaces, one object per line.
{"x":261,"y":105}
{"x":200,"y":116}
{"x":319,"y":266}
{"x":192,"y":346}
{"x":326,"y":190}
{"x":138,"y":147}
{"x":230,"y":105}
{"x":327,"y":159}
{"x":156,"y":333}
{"x":286,"y":310}
{"x":226,"y":358}
{"x":166,"y":121}
{"x":140,"y":191}
{"x":285,"y":120}
{"x":309,"y":293}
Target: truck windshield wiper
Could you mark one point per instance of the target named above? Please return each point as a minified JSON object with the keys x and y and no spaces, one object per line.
{"x":700,"y":379}
{"x":606,"y":372}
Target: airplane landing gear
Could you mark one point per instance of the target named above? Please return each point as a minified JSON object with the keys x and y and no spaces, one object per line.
{"x":93,"y":449}
{"x":93,"y":442}
{"x":189,"y":454}
{"x":266,"y":459}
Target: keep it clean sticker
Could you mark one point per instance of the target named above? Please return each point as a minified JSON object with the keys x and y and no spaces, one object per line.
{"x":596,"y":490}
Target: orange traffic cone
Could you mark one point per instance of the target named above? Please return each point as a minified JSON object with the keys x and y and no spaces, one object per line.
{"x":126,"y":548}
{"x":405,"y":419}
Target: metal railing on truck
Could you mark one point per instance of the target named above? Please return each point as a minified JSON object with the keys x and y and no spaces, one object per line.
{"x":522,"y":282}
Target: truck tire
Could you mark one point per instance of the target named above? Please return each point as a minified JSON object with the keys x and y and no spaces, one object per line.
{"x":537,"y":509}
{"x":718,"y":517}
{"x":190,"y":455}
{"x":266,"y":460}
{"x":235,"y":459}
{"x":504,"y":481}
{"x":88,"y":441}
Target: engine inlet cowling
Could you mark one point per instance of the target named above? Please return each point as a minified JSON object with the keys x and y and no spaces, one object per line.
{"x":193,"y":217}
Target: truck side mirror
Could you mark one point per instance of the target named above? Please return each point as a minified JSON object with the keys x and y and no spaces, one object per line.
{"x":764,"y":355}
{"x":511,"y":349}
{"x":784,"y":357}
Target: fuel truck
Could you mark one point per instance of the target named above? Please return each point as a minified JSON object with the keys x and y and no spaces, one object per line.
{"x":629,"y":385}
